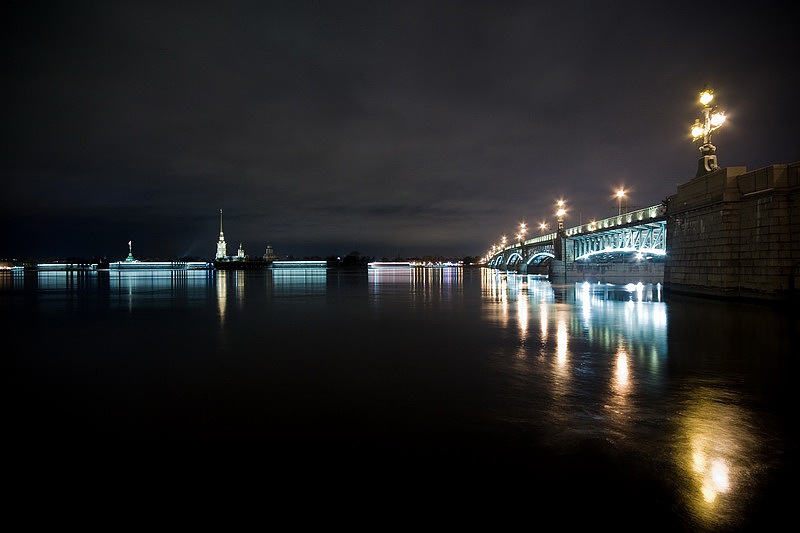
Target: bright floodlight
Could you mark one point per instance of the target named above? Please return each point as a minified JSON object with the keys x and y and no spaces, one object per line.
{"x":542,"y":226}
{"x":717,"y":119}
{"x":706,"y":97}
{"x":560,"y":203}
{"x":697,"y":130}
{"x":620,"y":193}
{"x":561,"y":212}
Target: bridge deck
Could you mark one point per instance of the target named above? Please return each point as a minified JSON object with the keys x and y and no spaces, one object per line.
{"x":600,"y":234}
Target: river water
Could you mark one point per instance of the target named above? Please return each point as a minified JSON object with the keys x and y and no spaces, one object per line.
{"x":396,"y":388}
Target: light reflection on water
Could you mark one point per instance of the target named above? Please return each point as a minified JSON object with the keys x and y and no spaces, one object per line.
{"x":419,"y":284}
{"x":619,"y":334}
{"x":306,"y":281}
{"x":222,"y":293}
{"x":716,"y":451}
{"x":656,"y":382}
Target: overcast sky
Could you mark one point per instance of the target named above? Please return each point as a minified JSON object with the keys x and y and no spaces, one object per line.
{"x":384,"y":127}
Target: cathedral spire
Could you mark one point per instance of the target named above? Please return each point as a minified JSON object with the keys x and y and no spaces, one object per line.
{"x":222,"y":246}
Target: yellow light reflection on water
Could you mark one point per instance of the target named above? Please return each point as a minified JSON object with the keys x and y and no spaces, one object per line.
{"x":718,"y":443}
{"x":222,"y":293}
{"x":522,"y":314}
{"x":561,"y":370}
{"x":504,"y":301}
{"x":621,"y":372}
{"x":495,"y":285}
{"x":619,"y":409}
{"x":543,"y":321}
{"x":711,"y":472}
{"x":561,"y":339}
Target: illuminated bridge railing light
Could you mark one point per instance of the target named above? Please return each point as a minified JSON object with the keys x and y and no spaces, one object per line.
{"x":537,"y":240}
{"x":616,"y":220}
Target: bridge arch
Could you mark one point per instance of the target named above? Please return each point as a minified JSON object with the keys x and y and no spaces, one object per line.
{"x":640,"y":253}
{"x":512,"y":255}
{"x":538,"y":255}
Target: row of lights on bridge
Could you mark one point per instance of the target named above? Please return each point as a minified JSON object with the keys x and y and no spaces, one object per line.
{"x":700,"y":131}
{"x":561,"y":211}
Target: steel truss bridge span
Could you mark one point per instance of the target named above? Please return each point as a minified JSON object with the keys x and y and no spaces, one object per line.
{"x":643,"y":232}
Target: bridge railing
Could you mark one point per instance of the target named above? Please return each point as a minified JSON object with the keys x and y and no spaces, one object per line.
{"x":541,"y":238}
{"x":640,"y":215}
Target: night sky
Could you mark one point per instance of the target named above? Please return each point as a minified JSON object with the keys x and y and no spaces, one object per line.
{"x":397,"y":128}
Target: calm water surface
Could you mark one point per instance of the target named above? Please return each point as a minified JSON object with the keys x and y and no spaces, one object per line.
{"x":595,"y":402}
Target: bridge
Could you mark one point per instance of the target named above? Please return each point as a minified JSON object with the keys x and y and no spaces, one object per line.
{"x":727,"y":232}
{"x":601,"y":250}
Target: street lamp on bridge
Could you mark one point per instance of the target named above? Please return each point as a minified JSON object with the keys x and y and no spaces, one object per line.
{"x":523,"y":229}
{"x":562,"y":210}
{"x":712,"y":120}
{"x":543,"y":226}
{"x":620,"y":196}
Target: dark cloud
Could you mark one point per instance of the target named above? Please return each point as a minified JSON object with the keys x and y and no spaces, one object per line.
{"x":322,"y":127}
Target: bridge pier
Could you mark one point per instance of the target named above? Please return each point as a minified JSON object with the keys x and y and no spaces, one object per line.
{"x":617,"y":273}
{"x":557,"y":272}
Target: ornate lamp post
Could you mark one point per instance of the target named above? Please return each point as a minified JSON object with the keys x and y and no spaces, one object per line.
{"x":562,"y":210}
{"x":559,"y":246}
{"x":712,"y":120}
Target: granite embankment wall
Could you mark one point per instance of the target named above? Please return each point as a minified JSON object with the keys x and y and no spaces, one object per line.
{"x":733,"y":233}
